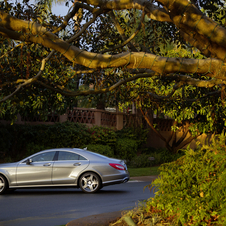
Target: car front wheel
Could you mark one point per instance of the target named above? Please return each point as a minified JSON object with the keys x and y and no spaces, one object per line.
{"x":90,"y":182}
{"x":3,"y":184}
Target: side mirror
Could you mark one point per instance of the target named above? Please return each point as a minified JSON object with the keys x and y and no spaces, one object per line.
{"x":28,"y":161}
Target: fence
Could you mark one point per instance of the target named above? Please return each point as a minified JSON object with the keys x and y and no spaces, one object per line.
{"x":88,"y":116}
{"x":91,"y":117}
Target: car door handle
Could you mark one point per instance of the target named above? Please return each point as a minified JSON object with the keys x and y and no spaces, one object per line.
{"x":47,"y":164}
{"x":77,"y":164}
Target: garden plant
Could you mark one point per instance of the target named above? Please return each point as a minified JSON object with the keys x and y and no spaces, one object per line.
{"x":188,"y":191}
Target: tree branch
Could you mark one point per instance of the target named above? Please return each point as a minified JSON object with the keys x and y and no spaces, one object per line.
{"x":95,"y":15}
{"x":33,"y":32}
{"x":70,"y":15}
{"x":26,"y":82}
{"x":121,"y":31}
{"x":187,"y":80}
{"x":188,"y":18}
{"x":67,"y":92}
{"x":153,"y":128}
{"x":153,"y":11}
{"x":157,"y":97}
{"x":130,"y":38}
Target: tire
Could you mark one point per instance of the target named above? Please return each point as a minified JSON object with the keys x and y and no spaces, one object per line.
{"x":90,"y":182}
{"x":3,"y":184}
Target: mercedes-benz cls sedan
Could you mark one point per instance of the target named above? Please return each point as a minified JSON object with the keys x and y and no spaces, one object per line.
{"x":63,"y":167}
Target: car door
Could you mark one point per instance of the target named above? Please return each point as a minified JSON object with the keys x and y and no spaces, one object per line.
{"x":38,"y":171}
{"x":67,"y":167}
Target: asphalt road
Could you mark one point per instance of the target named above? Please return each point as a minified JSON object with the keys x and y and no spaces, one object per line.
{"x":54,"y":207}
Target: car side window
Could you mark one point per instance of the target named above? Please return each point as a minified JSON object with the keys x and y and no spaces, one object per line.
{"x":47,"y":156}
{"x":65,"y":155}
{"x":82,"y":158}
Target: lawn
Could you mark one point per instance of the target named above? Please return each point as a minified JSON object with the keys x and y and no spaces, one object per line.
{"x":148,"y":171}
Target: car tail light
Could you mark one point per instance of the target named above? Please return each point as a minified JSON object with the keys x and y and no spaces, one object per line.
{"x":117,"y":166}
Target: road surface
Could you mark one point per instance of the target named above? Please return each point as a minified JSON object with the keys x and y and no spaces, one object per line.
{"x":55,"y":207}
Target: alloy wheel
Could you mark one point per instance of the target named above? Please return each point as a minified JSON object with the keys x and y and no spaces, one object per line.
{"x":90,"y":182}
{"x":3,"y":184}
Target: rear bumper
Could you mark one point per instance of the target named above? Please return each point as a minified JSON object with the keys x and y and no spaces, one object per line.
{"x":120,"y":181}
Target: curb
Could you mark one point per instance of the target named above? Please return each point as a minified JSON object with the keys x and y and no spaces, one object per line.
{"x":96,"y":220}
{"x":143,"y":179}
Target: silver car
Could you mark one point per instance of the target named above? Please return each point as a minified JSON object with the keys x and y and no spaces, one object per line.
{"x":63,"y":167}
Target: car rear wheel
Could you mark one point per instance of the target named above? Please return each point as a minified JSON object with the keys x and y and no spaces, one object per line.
{"x":3,"y":184}
{"x":90,"y":182}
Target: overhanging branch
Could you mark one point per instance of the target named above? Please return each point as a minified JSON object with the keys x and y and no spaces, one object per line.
{"x":163,"y":65}
{"x":130,"y":38}
{"x":26,"y":82}
{"x":67,"y":92}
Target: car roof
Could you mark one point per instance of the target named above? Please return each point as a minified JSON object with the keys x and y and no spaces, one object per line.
{"x":85,"y":153}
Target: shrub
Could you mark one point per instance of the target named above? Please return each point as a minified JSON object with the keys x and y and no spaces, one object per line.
{"x":17,"y":141}
{"x":34,"y":148}
{"x":5,"y":142}
{"x":101,"y":149}
{"x":139,"y":161}
{"x":192,"y":189}
{"x":138,"y":134}
{"x":126,"y":148}
{"x":13,"y":141}
{"x":65,"y":134}
{"x":102,"y":135}
{"x":162,"y":155}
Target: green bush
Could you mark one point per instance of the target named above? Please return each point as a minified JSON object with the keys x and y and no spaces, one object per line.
{"x":101,"y":149}
{"x":102,"y":135}
{"x":34,"y":148}
{"x":138,"y":134}
{"x":60,"y":135}
{"x":139,"y":161}
{"x":14,"y":140}
{"x":18,"y":141}
{"x":162,"y":155}
{"x":192,"y":189}
{"x":5,"y":142}
{"x":126,"y":148}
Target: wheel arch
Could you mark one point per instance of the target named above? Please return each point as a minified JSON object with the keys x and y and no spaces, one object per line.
{"x":5,"y":176}
{"x":5,"y":183}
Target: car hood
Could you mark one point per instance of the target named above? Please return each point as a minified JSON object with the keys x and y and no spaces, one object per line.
{"x":7,"y":165}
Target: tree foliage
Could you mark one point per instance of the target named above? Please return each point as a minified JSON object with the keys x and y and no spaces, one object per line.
{"x":164,"y":54}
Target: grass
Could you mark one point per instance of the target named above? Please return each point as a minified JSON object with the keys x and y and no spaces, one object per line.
{"x":147,"y":171}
